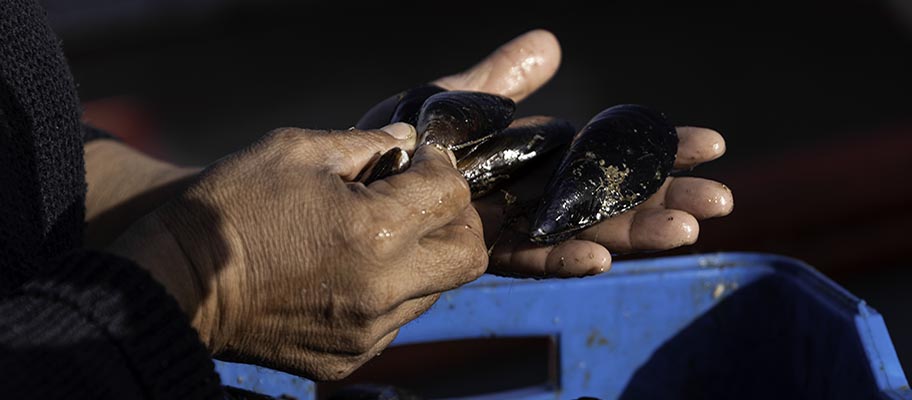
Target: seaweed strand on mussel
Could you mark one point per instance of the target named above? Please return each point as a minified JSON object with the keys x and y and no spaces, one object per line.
{"x":617,"y":161}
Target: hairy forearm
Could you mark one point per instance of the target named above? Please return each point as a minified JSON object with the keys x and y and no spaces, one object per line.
{"x":123,"y":185}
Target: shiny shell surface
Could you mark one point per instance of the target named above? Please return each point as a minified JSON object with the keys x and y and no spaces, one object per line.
{"x":457,"y":119}
{"x":392,"y":162}
{"x":617,"y":161}
{"x":400,"y":107}
{"x":497,"y":160}
{"x":410,"y":102}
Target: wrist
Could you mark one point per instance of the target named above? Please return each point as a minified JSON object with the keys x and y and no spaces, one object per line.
{"x":124,"y":185}
{"x":150,"y":244}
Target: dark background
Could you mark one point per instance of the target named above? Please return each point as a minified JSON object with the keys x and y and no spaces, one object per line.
{"x":814,"y":97}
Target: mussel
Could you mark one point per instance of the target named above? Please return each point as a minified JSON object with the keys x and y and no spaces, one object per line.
{"x":391,"y":162}
{"x":472,"y":125}
{"x":458,"y":119}
{"x":401,"y":107}
{"x":617,"y":161}
{"x":451,"y":119}
{"x":496,"y":161}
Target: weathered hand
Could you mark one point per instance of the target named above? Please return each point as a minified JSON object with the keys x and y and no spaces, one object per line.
{"x":282,"y":261}
{"x":666,"y":220}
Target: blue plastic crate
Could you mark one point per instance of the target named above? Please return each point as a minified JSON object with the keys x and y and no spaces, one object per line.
{"x":719,"y":326}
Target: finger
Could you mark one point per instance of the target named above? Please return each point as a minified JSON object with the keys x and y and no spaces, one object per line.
{"x":432,"y":190}
{"x":703,"y":198}
{"x":697,"y":146}
{"x":298,"y":358}
{"x":514,"y":70}
{"x":646,"y":229}
{"x":347,"y":153}
{"x":344,"y":364}
{"x":571,"y":258}
{"x":663,"y":229}
{"x":408,"y":311}
{"x":446,"y":258}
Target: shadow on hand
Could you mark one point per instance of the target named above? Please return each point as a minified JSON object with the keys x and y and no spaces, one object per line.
{"x":107,"y":226}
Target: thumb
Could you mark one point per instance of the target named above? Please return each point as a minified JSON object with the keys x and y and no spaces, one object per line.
{"x":349,"y":152}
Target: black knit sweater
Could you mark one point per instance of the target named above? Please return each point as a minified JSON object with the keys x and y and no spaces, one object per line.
{"x":73,"y":323}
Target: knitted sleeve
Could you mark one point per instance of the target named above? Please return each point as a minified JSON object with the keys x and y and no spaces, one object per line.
{"x":96,"y":326}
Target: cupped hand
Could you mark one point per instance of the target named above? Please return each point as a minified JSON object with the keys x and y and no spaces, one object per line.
{"x":282,"y":261}
{"x":667,"y":220}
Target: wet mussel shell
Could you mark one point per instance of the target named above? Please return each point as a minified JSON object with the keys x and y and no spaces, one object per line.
{"x":410,"y":104}
{"x":617,"y":161}
{"x":458,"y":119}
{"x":400,"y":107}
{"x":392,"y":162}
{"x":489,"y":164}
{"x":454,"y":120}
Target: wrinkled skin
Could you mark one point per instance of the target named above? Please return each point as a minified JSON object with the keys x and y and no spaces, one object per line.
{"x":282,"y":261}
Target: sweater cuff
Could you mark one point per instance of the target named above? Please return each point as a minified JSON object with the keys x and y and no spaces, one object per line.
{"x":137,"y":316}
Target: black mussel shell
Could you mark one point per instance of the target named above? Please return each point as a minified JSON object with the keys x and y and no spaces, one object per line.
{"x":400,"y":107}
{"x":410,"y":104}
{"x":619,"y":159}
{"x":392,"y":162}
{"x":495,"y":161}
{"x":458,"y":119}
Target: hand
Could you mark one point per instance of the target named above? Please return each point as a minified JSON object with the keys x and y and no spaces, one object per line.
{"x":284,"y":262}
{"x":667,"y":220}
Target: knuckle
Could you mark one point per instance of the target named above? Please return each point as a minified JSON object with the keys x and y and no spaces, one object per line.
{"x":479,"y":261}
{"x":375,"y":301}
{"x":286,"y":134}
{"x":475,"y":261}
{"x":289,"y":146}
{"x":467,"y":256}
{"x":362,"y":343}
{"x":372,"y":233}
{"x":453,"y":183}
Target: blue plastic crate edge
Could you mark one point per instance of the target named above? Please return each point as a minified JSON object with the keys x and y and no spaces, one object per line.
{"x":870,"y":326}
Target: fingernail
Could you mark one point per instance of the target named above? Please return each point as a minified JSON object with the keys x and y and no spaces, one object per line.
{"x":399,"y":130}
